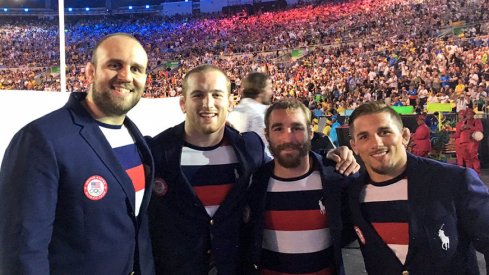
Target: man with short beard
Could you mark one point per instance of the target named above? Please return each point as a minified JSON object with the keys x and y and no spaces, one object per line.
{"x":295,"y":201}
{"x":74,"y":183}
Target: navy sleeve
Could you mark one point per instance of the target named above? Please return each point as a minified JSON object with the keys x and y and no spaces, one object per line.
{"x":28,"y":192}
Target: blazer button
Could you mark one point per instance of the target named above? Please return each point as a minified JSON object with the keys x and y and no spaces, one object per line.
{"x":211,"y":222}
{"x":209,"y":252}
{"x":405,"y":272}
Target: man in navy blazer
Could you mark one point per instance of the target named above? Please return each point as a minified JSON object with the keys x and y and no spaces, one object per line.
{"x":413,"y":215}
{"x":202,"y":173}
{"x":75,"y":184}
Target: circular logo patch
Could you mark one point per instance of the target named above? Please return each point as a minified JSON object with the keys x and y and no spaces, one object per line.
{"x":95,"y":188}
{"x":160,"y":187}
{"x":359,"y":232}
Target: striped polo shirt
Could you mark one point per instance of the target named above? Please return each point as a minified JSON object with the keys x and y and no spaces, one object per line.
{"x":385,"y":206}
{"x":211,"y":171}
{"x":127,"y":154}
{"x":296,"y":237}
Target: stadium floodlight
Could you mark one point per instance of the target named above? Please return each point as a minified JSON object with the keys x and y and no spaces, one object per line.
{"x":87,"y":9}
{"x":70,"y":9}
{"x":26,"y":10}
{"x":5,"y":9}
{"x":147,"y":6}
{"x":130,"y":7}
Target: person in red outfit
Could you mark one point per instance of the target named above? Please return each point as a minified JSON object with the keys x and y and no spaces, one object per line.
{"x":458,"y":140}
{"x":421,"y":138}
{"x":470,"y":146}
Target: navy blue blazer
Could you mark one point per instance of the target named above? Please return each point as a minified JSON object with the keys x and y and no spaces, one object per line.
{"x":183,"y":234}
{"x":334,"y":190}
{"x":439,"y":195}
{"x":48,"y":224}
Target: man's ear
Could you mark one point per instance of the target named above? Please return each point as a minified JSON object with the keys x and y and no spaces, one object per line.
{"x":182,"y":104}
{"x":267,"y":134}
{"x":231,"y":103}
{"x":353,"y":146}
{"x":406,"y":136}
{"x":90,"y":72}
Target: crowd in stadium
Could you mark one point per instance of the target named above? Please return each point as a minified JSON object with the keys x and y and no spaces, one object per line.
{"x":354,"y":51}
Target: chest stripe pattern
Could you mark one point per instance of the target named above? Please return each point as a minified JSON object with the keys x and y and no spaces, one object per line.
{"x":385,"y":206}
{"x":128,"y":156}
{"x":211,"y":171}
{"x":296,"y":237}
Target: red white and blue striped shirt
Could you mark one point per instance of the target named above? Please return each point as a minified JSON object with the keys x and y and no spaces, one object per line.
{"x":385,"y":206}
{"x":296,"y":237}
{"x":127,"y":154}
{"x":211,"y":171}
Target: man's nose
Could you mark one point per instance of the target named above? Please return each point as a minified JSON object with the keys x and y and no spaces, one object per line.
{"x":124,"y":74}
{"x":208,"y":101}
{"x":377,"y":140}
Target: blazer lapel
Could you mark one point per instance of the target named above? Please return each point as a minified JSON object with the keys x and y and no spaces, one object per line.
{"x":173,"y":156}
{"x":146,"y":159}
{"x":355,"y":205}
{"x":365,"y":228}
{"x":94,"y":137}
{"x":418,"y":194}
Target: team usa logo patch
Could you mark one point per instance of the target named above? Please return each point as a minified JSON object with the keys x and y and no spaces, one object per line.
{"x":359,"y":232}
{"x":95,"y":188}
{"x":160,"y":187}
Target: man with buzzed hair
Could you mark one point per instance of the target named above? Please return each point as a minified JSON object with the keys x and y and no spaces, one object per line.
{"x":75,"y":183}
{"x":202,"y":173}
{"x":203,"y":170}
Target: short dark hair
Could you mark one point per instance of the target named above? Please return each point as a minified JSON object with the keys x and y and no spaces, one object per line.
{"x":105,"y":38}
{"x":202,"y":69}
{"x":284,"y":104}
{"x":253,"y":84}
{"x":374,"y":107}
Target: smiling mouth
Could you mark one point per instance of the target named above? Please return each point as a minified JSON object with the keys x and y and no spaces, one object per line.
{"x":289,"y":149}
{"x":122,"y":90}
{"x":207,"y":115}
{"x":379,"y":153}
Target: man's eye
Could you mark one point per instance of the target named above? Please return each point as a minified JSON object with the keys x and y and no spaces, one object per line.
{"x":113,"y":66}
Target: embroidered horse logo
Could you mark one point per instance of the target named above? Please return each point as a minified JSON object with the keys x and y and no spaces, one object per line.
{"x":445,"y":241}
{"x":322,"y":209}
